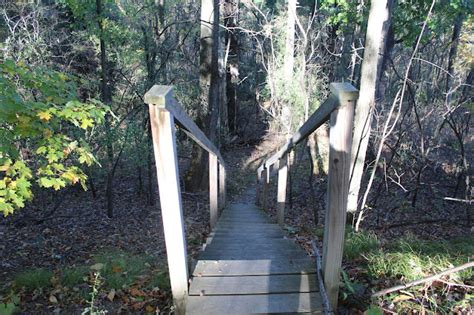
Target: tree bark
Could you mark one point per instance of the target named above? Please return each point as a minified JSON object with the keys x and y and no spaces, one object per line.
{"x":197,"y":177}
{"x":106,"y":97}
{"x":231,"y":44}
{"x":378,"y":23}
{"x":290,"y":40}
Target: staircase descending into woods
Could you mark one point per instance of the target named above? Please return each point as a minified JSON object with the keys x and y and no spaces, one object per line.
{"x":248,"y":265}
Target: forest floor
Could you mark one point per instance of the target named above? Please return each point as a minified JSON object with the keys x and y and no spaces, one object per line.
{"x":51,"y":265}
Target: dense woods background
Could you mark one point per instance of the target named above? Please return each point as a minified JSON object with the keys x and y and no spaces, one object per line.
{"x":82,"y":227}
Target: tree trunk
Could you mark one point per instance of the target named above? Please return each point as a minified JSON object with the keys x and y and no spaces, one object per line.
{"x":197,"y":177}
{"x":106,"y":97}
{"x":378,"y":23}
{"x":453,"y":50}
{"x":290,"y":40}
{"x":231,"y":44}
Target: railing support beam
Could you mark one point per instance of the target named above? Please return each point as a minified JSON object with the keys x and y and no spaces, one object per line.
{"x":166,"y":158}
{"x":213,"y":189}
{"x":222,"y":188}
{"x":266,"y":183}
{"x":281,"y":198}
{"x":340,"y":141}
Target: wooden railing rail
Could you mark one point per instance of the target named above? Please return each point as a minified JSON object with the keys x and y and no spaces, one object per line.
{"x":339,"y":110}
{"x":165,"y":111}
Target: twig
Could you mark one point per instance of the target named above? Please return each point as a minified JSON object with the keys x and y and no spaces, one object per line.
{"x":454,"y":284}
{"x":458,"y":200}
{"x":424,"y":280}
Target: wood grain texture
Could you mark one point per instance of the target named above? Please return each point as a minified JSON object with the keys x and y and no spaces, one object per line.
{"x":340,"y":141}
{"x":164,"y":147}
{"x":213,"y":189}
{"x":253,"y":304}
{"x":248,"y":265}
{"x":246,"y":285}
{"x":281,"y":197}
{"x":222,"y":186}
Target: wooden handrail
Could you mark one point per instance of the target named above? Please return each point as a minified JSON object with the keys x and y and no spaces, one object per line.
{"x":339,"y":92}
{"x":165,"y":112}
{"x":339,"y":110}
{"x":162,"y":97}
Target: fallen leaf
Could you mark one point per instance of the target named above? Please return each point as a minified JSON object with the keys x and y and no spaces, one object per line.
{"x":53,"y":299}
{"x":116,"y":269}
{"x":138,"y":306}
{"x":111,"y":295}
{"x":149,"y":309}
{"x":137,"y":292}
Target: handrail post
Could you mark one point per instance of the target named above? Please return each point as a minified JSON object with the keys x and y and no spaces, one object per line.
{"x":213,"y":189}
{"x":166,"y":159}
{"x":340,"y":141}
{"x":222,"y":192}
{"x":258,"y":196}
{"x":282,"y":180}
{"x":266,"y":182}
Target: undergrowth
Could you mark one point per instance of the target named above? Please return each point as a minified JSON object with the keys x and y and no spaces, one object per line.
{"x":120,"y":272}
{"x":404,"y":260}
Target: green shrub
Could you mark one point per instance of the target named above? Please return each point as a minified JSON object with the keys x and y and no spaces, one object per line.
{"x":33,"y":279}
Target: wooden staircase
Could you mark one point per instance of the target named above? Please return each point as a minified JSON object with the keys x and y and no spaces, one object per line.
{"x":250,"y":266}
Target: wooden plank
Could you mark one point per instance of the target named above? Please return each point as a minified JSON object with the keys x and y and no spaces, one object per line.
{"x":193,"y":130}
{"x":266,"y":183}
{"x":318,"y":118}
{"x":344,"y":91}
{"x":281,"y":198}
{"x":243,"y":235}
{"x":223,"y":247}
{"x":249,"y":228}
{"x":252,"y":304}
{"x":253,"y":267}
{"x":243,"y":207}
{"x":222,"y":190}
{"x":213,"y":189}
{"x":162,"y":96}
{"x":254,"y":284}
{"x":166,"y":159}
{"x":257,"y":252}
{"x":256,"y":243}
{"x":251,"y":255}
{"x":230,"y":223}
{"x":159,"y":95}
{"x":340,"y":141}
{"x":259,"y":183}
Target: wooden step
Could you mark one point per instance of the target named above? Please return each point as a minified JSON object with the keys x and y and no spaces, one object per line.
{"x":254,"y":284}
{"x":253,"y":267}
{"x":251,"y":304}
{"x":252,"y":254}
{"x":233,"y":243}
{"x":226,"y":246}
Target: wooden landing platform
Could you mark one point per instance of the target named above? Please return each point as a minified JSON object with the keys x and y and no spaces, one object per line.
{"x":248,"y":266}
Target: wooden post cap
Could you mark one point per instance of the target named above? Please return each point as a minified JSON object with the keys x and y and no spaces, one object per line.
{"x":344,"y":91}
{"x":159,"y":95}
